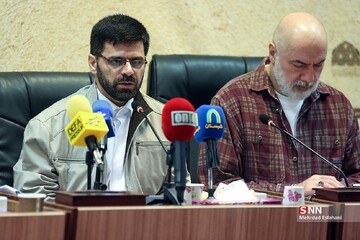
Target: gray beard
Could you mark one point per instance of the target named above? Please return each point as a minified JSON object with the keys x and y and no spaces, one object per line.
{"x":287,"y":89}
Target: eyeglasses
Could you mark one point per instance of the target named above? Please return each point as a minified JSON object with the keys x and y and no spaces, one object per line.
{"x":120,"y":62}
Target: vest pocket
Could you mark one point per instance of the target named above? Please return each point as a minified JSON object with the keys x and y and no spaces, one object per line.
{"x":72,"y":174}
{"x":147,"y":145}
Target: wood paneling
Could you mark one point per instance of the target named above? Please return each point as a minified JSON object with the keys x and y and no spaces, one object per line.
{"x":196,"y":222}
{"x":49,"y":224}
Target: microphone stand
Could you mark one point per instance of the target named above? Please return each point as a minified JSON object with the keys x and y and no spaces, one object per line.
{"x":212,"y":162}
{"x":98,"y":185}
{"x":93,"y":155}
{"x":342,"y":174}
{"x":168,"y":186}
{"x":89,"y":162}
{"x":180,"y":169}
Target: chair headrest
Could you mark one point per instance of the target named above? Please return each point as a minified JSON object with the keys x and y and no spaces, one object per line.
{"x":194,"y":77}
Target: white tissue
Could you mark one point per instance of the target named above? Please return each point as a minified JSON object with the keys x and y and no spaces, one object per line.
{"x":9,"y":190}
{"x":235,"y":192}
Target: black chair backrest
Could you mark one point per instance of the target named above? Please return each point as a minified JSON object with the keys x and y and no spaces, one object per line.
{"x":196,"y":78}
{"x":23,"y":95}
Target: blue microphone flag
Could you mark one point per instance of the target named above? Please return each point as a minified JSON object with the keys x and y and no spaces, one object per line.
{"x":103,"y":107}
{"x":211,"y":123}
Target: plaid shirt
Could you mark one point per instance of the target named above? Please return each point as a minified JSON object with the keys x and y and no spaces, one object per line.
{"x":268,"y":159}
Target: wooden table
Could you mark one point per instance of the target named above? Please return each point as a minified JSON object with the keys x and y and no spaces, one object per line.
{"x":194,"y":222}
{"x":49,"y":224}
{"x":345,"y":203}
{"x":252,"y":221}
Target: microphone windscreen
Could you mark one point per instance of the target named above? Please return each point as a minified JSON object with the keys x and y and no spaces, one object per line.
{"x":104,"y":108}
{"x":84,"y":122}
{"x":211,"y":123}
{"x":77,"y":103}
{"x":179,"y":120}
{"x":264,"y":119}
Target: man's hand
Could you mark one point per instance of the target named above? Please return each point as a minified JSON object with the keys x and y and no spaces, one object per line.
{"x":316,"y":181}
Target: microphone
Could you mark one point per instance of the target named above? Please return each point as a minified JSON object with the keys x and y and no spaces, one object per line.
{"x":178,"y":124}
{"x":265,"y":119}
{"x":85,"y":126}
{"x":211,"y":123}
{"x":139,"y":109}
{"x":211,"y":126}
{"x":104,"y":108}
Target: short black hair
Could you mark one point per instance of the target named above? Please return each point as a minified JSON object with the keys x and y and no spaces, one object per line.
{"x":118,"y":28}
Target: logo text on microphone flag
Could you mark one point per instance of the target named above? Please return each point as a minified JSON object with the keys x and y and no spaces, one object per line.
{"x":179,"y":118}
{"x":85,"y":124}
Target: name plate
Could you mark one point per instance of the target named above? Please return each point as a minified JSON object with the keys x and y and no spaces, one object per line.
{"x":346,"y":194}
